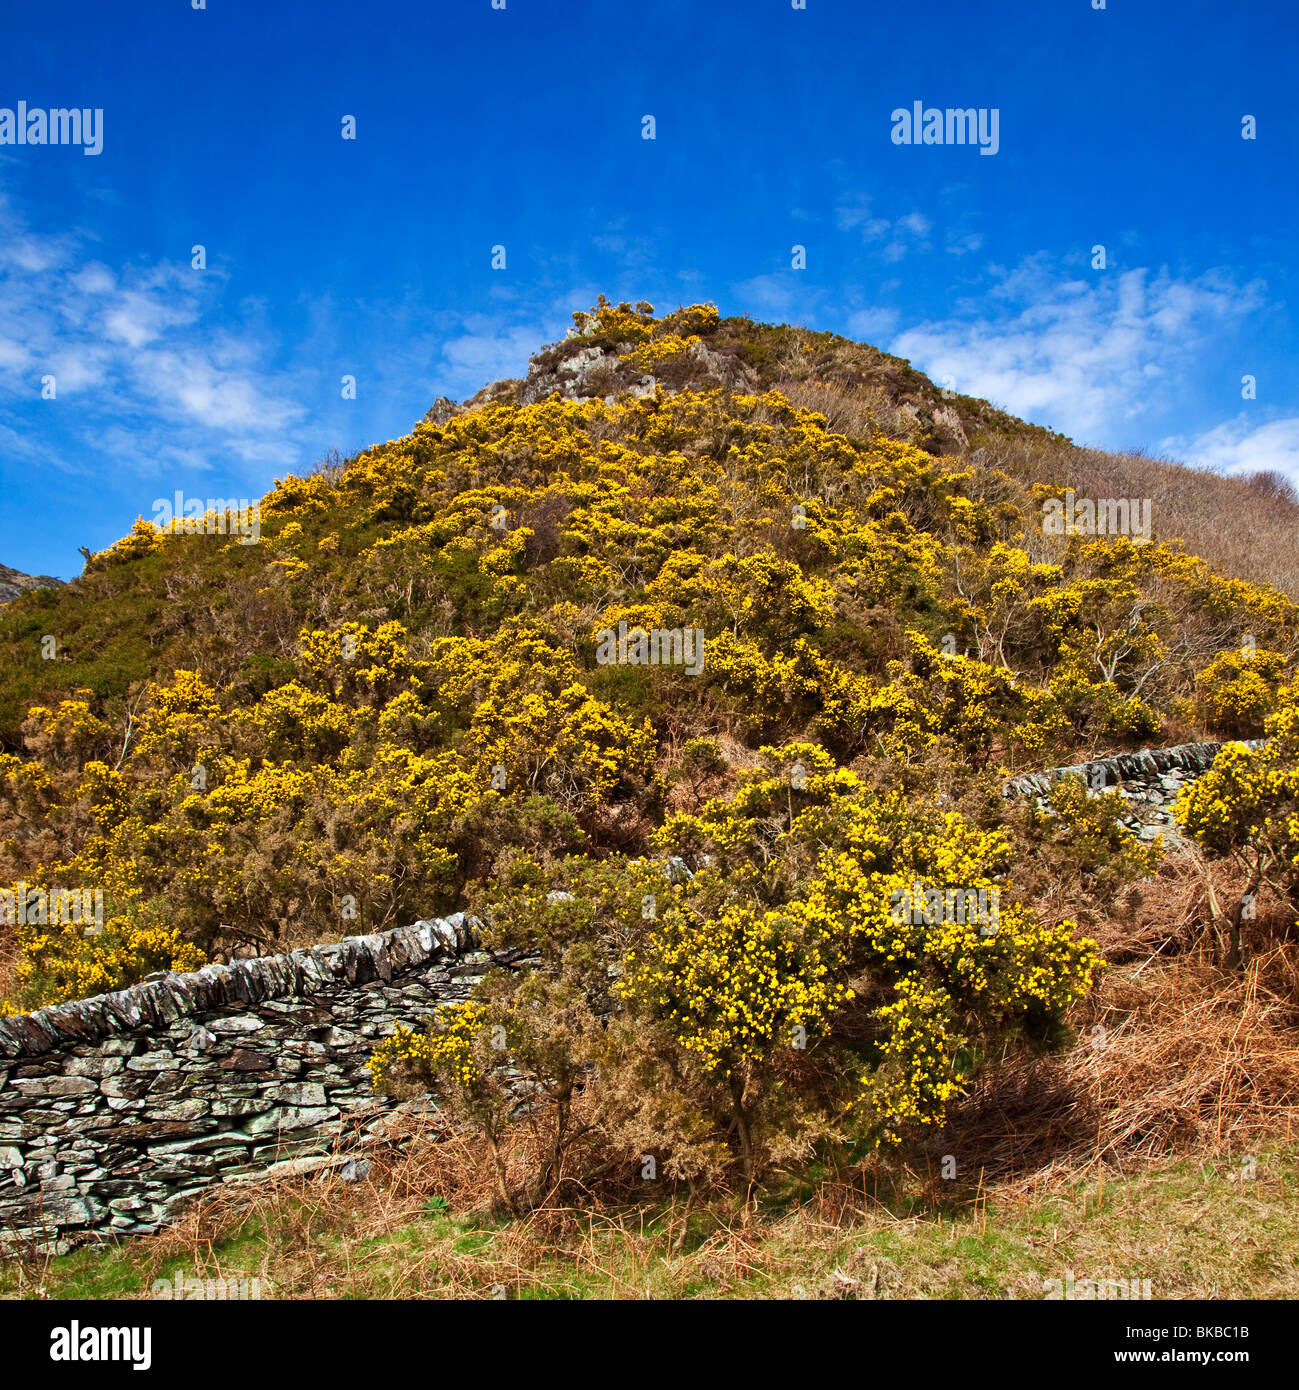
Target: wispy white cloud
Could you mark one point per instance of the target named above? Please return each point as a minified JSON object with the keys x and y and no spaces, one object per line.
{"x":487,"y":348}
{"x":959,"y":244}
{"x":891,"y":238}
{"x":206,"y":387}
{"x":1242,"y":445}
{"x":776,"y":297}
{"x":872,"y":325}
{"x":133,"y":342}
{"x":1083,"y":356}
{"x":139,"y":317}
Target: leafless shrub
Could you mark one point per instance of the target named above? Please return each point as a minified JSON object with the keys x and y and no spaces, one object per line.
{"x":330,"y":466}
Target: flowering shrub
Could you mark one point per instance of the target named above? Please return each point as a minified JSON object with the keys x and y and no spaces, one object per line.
{"x":62,"y":962}
{"x":734,"y":989}
{"x":787,"y":939}
{"x":653,"y":354}
{"x":1246,"y":809}
{"x":1082,"y":829}
{"x":516,"y":1056}
{"x":445,"y":1053}
{"x":1238,"y":690}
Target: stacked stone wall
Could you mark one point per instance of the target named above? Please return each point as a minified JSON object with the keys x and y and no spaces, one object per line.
{"x":117,"y":1111}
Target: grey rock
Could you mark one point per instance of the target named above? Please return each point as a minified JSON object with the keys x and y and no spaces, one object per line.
{"x":240,"y":1023}
{"x":307,"y":1093}
{"x":200,"y":1040}
{"x":127,"y":1204}
{"x":72,"y":1211}
{"x":55,"y":1086}
{"x":237,"y":1109}
{"x":127,"y":1087}
{"x":161,"y":1060}
{"x":289,"y":1118}
{"x":93,"y":1066}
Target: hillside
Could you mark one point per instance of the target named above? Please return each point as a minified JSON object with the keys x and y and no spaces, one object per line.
{"x":694,"y":664}
{"x":422,"y":620}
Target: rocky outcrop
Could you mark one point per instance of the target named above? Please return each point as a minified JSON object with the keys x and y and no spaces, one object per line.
{"x":581,"y":371}
{"x":442,"y":410}
{"x":117,"y":1111}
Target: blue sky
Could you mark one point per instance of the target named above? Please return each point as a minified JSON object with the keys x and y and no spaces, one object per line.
{"x":523,"y":127}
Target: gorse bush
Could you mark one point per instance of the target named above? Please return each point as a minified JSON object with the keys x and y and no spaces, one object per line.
{"x":1239,"y":690}
{"x":60,"y":962}
{"x":774,"y":991}
{"x":1245,"y":809}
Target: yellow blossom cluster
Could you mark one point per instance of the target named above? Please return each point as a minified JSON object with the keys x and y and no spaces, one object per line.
{"x":63,"y":962}
{"x":443,"y":1054}
{"x":732,"y":989}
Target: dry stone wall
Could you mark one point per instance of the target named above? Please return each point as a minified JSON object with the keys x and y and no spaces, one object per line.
{"x":1149,"y":781}
{"x":117,"y":1111}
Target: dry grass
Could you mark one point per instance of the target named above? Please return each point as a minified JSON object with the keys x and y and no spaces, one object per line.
{"x":859,"y":410}
{"x":1175,"y":1053}
{"x":1241,"y":526}
{"x":9,"y":957}
{"x":1195,"y":1229}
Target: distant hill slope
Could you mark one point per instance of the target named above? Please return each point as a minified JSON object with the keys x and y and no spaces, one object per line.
{"x":14,"y":582}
